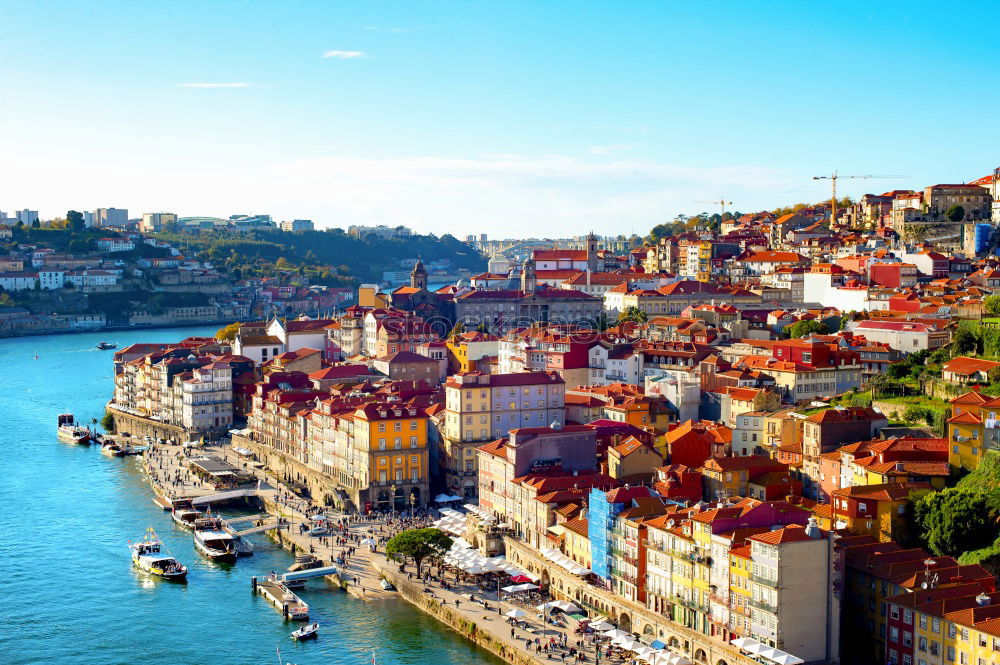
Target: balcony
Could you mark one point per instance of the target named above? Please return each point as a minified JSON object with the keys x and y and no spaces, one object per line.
{"x":761,"y":605}
{"x":765,"y":581}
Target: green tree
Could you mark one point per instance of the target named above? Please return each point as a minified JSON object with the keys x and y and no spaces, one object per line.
{"x":965,"y":341}
{"x":956,"y":213}
{"x":108,"y":422}
{"x":418,"y":544}
{"x":992,"y":304}
{"x":956,"y":520}
{"x":228,"y":333}
{"x":74,"y":220}
{"x":35,"y":224}
{"x":281,"y":263}
{"x":803,"y":328}
{"x":633,"y":315}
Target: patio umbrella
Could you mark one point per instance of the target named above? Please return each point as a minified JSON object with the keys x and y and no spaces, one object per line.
{"x":615,"y":633}
{"x":644,"y":651}
{"x":475,"y":570}
{"x":677,"y":659}
{"x":628,"y":643}
{"x":516,"y":613}
{"x":368,"y":541}
{"x":520,"y":579}
{"x":787,"y":659}
{"x":601,"y":625}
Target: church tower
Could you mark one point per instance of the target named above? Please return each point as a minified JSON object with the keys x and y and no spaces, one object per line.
{"x":528,"y":280}
{"x":418,"y":278}
{"x":592,"y":252}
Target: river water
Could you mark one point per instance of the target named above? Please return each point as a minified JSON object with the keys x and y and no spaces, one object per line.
{"x":68,"y":593}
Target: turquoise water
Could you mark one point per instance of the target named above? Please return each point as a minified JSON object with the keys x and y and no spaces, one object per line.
{"x":68,"y":594}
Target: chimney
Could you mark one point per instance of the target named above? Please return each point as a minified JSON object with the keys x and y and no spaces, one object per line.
{"x":812,"y":528}
{"x":983,"y":599}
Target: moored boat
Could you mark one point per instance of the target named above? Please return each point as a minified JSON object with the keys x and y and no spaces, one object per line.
{"x":104,"y":346}
{"x":71,"y":432}
{"x":184,"y":513}
{"x":150,"y":555}
{"x":112,"y":448}
{"x":307,"y":632}
{"x":213,"y":541}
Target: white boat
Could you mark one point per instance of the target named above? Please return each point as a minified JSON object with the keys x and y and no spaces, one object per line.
{"x":112,"y":449}
{"x":70,"y":432}
{"x":184,"y":513}
{"x":212,"y":540}
{"x":150,"y":555}
{"x":307,"y":632}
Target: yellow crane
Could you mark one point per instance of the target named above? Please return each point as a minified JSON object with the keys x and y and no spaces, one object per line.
{"x":833,"y":177}
{"x":723,"y":203}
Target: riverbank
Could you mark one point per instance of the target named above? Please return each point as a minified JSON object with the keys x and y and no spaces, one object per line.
{"x":119,"y":328}
{"x":481,"y":622}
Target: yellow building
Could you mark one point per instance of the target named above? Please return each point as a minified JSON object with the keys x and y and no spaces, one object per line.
{"x":972,"y":414}
{"x":952,"y":623}
{"x":390,"y":441}
{"x":576,"y":540}
{"x":371,"y":296}
{"x":740,"y":568}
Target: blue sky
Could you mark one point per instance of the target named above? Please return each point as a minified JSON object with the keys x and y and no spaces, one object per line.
{"x":512,"y":118}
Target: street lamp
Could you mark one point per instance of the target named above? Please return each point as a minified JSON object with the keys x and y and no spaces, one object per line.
{"x":413,"y":505}
{"x":392,"y":498}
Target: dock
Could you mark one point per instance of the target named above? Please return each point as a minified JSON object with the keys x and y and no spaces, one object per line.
{"x":286,"y":602}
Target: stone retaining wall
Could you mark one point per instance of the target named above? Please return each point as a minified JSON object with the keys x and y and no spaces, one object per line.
{"x":458,"y":622}
{"x":141,"y":427}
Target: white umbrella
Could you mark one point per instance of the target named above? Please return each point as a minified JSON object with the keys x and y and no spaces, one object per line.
{"x":644,"y":651}
{"x":677,"y":659}
{"x":615,"y":633}
{"x":787,"y":659}
{"x":741,"y":642}
{"x":659,"y":658}
{"x":544,"y":607}
{"x":601,"y":625}
{"x":475,"y":570}
{"x":769,"y":652}
{"x":516,"y":613}
{"x":628,"y":643}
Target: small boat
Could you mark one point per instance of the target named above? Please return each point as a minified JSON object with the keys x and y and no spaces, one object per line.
{"x":294,"y":584}
{"x":104,"y":346}
{"x":184,"y":513}
{"x":212,"y":540}
{"x":112,"y":449}
{"x":150,"y":555}
{"x":70,"y":432}
{"x":307,"y":632}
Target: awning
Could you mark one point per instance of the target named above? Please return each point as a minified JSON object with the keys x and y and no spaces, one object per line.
{"x":557,"y":529}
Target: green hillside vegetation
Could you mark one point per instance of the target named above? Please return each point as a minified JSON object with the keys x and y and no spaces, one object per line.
{"x":961,"y":521}
{"x":352,"y":259}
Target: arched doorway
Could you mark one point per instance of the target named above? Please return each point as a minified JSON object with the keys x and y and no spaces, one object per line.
{"x":722,"y":662}
{"x":383,"y":500}
{"x":625,"y":622}
{"x":649,"y":631}
{"x":699,"y":655}
{"x":674,"y":642}
{"x":399,"y":500}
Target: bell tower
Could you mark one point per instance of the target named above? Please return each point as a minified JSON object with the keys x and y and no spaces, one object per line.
{"x":528,"y":280}
{"x":418,"y":278}
{"x":592,"y":252}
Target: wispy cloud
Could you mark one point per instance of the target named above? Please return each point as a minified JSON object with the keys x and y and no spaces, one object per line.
{"x":214,"y":85}
{"x":343,"y":55}
{"x":609,"y":149}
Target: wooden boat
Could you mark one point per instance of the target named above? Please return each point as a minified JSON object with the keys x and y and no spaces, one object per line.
{"x":307,"y":632}
{"x":184,"y":513}
{"x":104,"y":346}
{"x":70,"y":432}
{"x":150,"y":555}
{"x":213,"y":541}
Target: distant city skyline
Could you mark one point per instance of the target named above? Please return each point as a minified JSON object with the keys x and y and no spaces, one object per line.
{"x":456,"y":117}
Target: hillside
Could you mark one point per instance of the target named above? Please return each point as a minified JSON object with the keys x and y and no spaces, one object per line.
{"x":361,"y":259}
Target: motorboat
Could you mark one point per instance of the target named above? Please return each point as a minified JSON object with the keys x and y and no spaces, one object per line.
{"x":104,"y":346}
{"x":307,"y":632}
{"x":212,"y":540}
{"x":184,"y":513}
{"x":113,"y":449}
{"x":69,"y":431}
{"x":151,"y":556}
{"x":386,"y":585}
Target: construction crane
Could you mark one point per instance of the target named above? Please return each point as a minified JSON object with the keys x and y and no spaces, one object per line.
{"x":722,"y":202}
{"x":833,"y":177}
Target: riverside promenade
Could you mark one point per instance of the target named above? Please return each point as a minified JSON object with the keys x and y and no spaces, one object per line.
{"x":460,"y":604}
{"x":480,"y":620}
